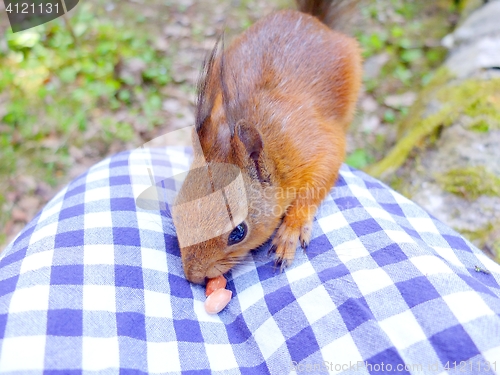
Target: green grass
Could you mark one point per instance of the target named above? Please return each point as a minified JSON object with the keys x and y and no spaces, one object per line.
{"x":56,"y":84}
{"x":60,"y":87}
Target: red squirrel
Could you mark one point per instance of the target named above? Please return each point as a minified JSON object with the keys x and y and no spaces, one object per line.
{"x":276,"y":104}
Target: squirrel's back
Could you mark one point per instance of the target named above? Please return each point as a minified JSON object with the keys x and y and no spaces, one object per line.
{"x":291,"y":77}
{"x":294,"y":54}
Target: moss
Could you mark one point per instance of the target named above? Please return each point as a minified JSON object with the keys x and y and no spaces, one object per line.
{"x":485,"y":237}
{"x":399,"y":184}
{"x":440,"y":78}
{"x":476,"y":99}
{"x":466,"y":7}
{"x":496,"y":250}
{"x":478,"y":236}
{"x":470,"y":183}
{"x":399,"y":153}
{"x":479,"y":125}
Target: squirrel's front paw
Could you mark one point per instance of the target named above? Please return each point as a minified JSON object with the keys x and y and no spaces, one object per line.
{"x":285,"y":242}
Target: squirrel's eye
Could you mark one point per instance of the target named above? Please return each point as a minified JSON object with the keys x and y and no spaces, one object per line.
{"x":237,"y":235}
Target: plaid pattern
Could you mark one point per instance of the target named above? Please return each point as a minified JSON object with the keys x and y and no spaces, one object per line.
{"x":94,"y":284}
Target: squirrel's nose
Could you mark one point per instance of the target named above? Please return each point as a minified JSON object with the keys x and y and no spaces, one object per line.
{"x":214,"y":271}
{"x":194,"y":277}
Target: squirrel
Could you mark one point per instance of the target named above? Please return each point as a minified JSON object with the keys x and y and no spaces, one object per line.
{"x":274,"y":106}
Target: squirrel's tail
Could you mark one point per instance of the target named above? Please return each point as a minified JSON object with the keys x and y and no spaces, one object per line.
{"x":334,"y":13}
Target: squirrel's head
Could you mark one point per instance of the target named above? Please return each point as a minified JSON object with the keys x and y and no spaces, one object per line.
{"x":228,"y":204}
{"x":225,"y":208}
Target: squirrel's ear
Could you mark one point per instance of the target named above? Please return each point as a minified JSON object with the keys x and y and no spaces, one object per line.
{"x":206,"y":92}
{"x":251,"y":139}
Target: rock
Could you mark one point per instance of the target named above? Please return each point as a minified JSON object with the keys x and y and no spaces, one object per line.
{"x":29,"y":205}
{"x":473,"y":206}
{"x":161,"y":44}
{"x":475,"y":45}
{"x":51,"y":141}
{"x":19,"y":215}
{"x":398,"y":101}
{"x":373,"y":65}
{"x":458,"y":148}
{"x":456,"y":177}
{"x":370,"y":123}
{"x":26,"y":183}
{"x":45,"y":191}
{"x":176,"y":31}
{"x":484,"y":54}
{"x":483,"y":22}
{"x":130,"y":71}
{"x":368,"y":104}
{"x":76,"y":153}
{"x":171,"y":105}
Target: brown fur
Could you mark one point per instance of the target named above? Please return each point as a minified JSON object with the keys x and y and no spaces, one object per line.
{"x":276,"y":103}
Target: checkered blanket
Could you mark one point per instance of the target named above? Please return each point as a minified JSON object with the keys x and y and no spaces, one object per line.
{"x":94,"y":284}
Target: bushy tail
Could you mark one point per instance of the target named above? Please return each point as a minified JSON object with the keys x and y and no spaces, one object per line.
{"x":337,"y":14}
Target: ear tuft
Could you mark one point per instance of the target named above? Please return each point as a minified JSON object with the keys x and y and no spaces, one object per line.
{"x":206,"y":93}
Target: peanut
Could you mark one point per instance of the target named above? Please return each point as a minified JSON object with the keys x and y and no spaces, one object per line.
{"x":217,"y":300}
{"x":218,"y":282}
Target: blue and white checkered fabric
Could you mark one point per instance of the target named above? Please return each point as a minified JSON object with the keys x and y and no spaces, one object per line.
{"x":95,"y":284}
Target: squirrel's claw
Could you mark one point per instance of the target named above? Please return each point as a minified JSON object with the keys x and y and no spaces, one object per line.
{"x":271,"y":250}
{"x":304,"y":245}
{"x":305,"y":235}
{"x":281,"y":263}
{"x":285,"y":243}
